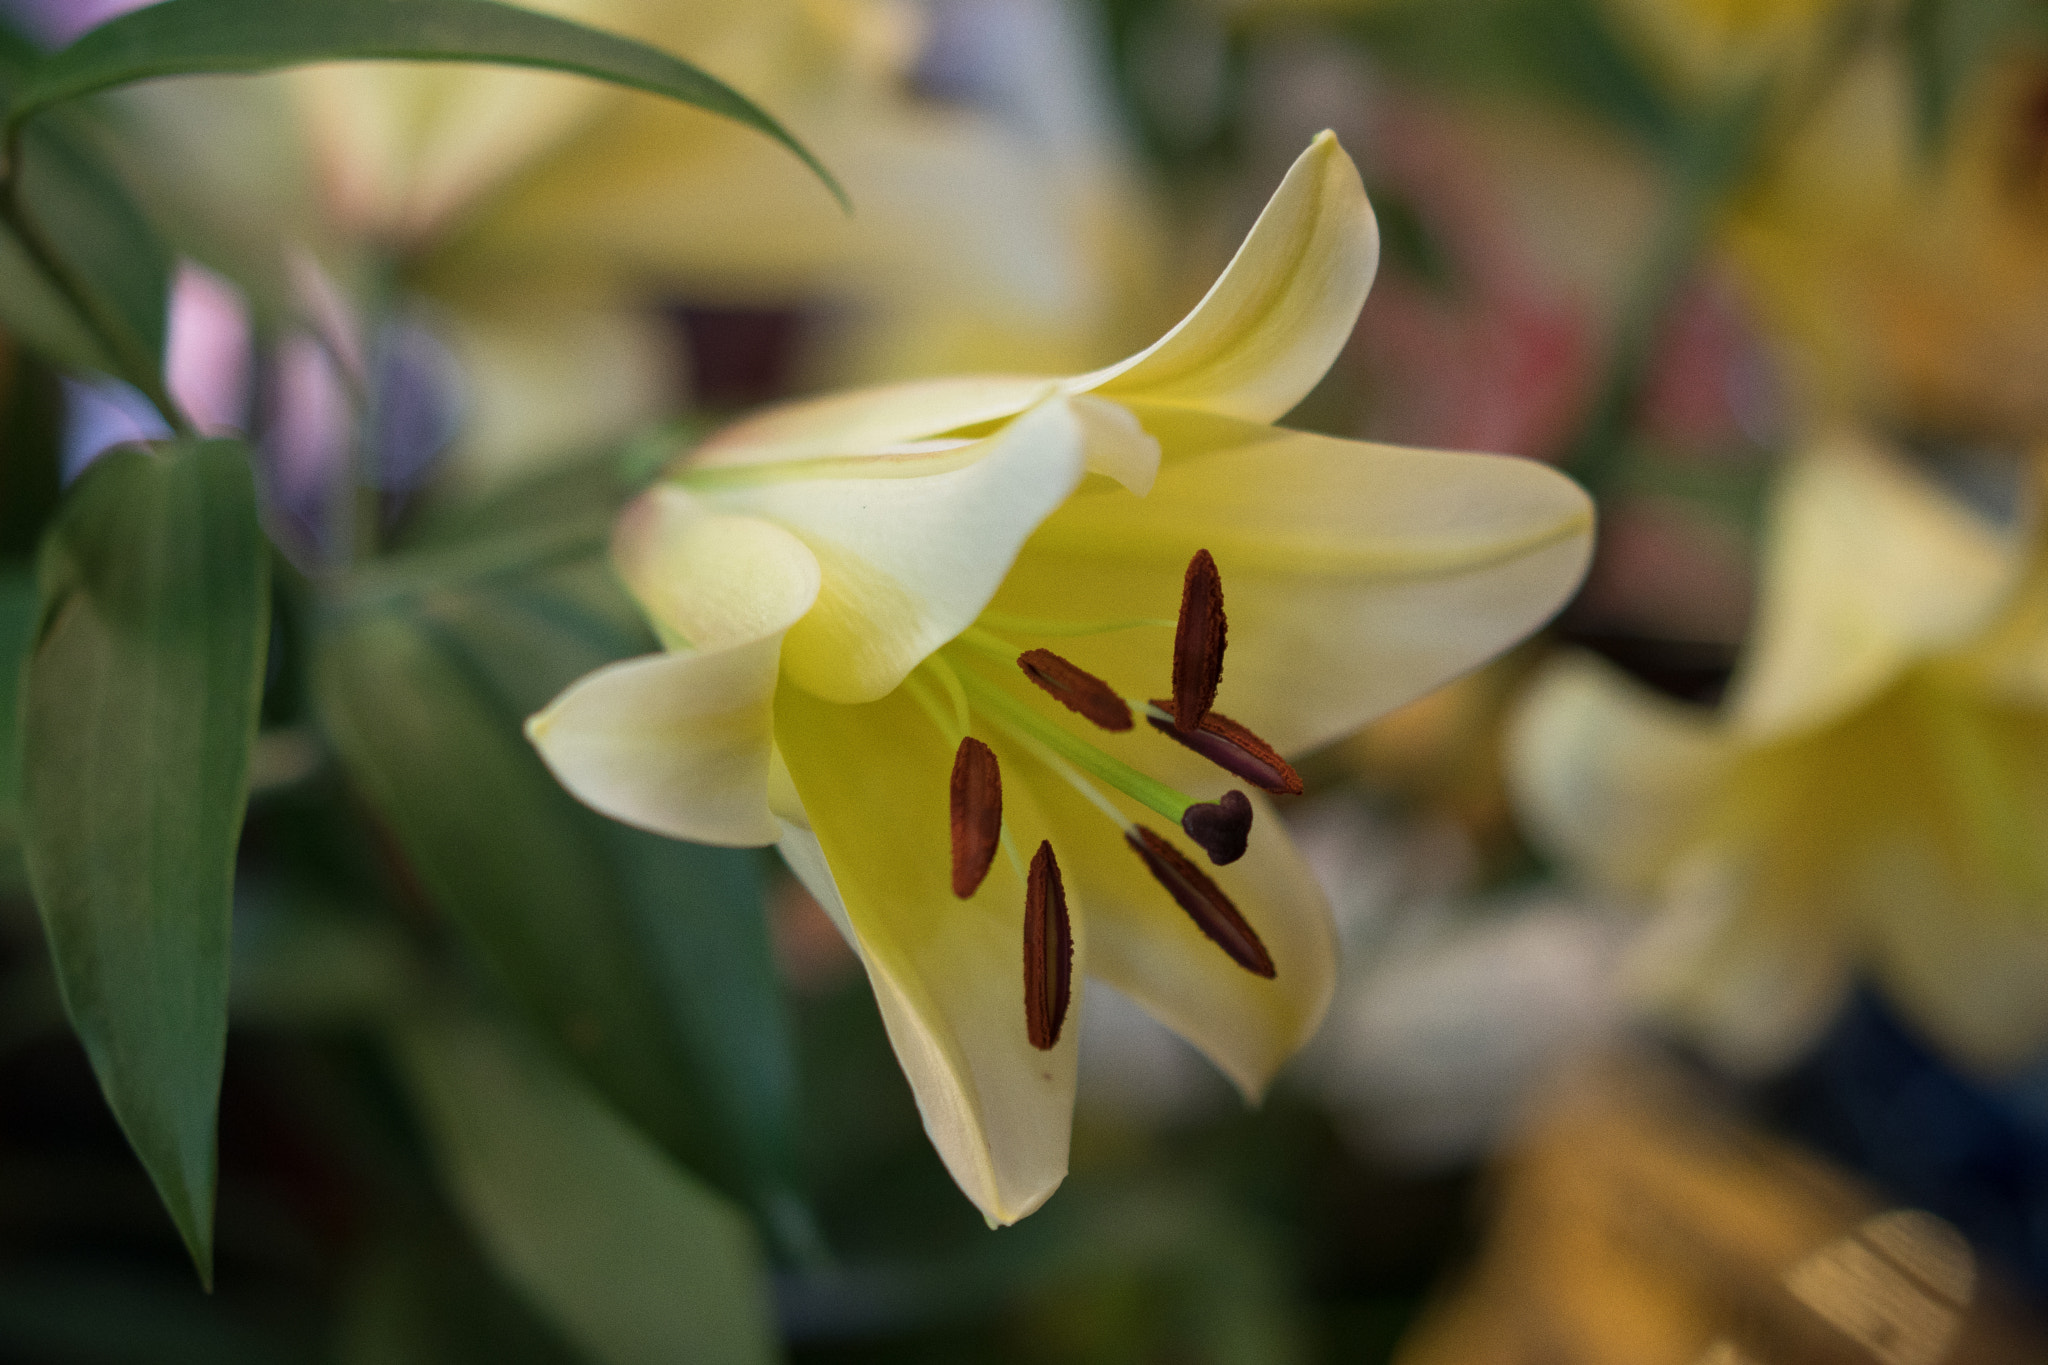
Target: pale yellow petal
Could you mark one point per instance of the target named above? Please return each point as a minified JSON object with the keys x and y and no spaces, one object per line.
{"x":1118,"y":447}
{"x":868,"y":421}
{"x":680,"y":743}
{"x":1867,"y":569}
{"x":947,"y":973}
{"x":708,"y":579}
{"x":677,"y":743}
{"x":910,"y":558}
{"x":1280,"y":312}
{"x":1752,"y":985}
{"x":1609,"y":775}
{"x":1356,"y":576}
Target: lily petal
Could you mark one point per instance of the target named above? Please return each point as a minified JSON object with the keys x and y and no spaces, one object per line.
{"x":947,"y":973}
{"x":1867,"y":569}
{"x":1357,"y":576}
{"x":1610,"y":775}
{"x":681,"y":743}
{"x":677,"y":743}
{"x":1281,"y":311}
{"x":867,"y":420}
{"x":710,"y":580}
{"x":910,"y":559}
{"x":1754,"y":987}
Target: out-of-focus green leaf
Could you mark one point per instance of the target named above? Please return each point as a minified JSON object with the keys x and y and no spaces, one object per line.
{"x":31,"y":430}
{"x":1948,"y":43}
{"x":426,"y":1299}
{"x":88,"y":218}
{"x":17,"y":629}
{"x":138,"y":714}
{"x":646,"y":959}
{"x":635,"y":1261}
{"x":1567,"y":51}
{"x":191,"y":37}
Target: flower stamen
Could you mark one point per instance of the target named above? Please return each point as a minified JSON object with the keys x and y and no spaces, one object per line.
{"x":1231,"y":747}
{"x":1076,"y":689}
{"x":1048,"y":950}
{"x":976,"y":814}
{"x":1203,"y":900}
{"x":1198,"y":640}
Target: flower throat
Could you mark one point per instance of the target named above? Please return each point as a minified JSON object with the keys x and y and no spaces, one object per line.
{"x":1221,"y":828}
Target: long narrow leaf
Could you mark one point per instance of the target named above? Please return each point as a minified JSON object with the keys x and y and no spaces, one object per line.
{"x":634,"y":1260}
{"x":191,"y":37}
{"x":138,"y":714}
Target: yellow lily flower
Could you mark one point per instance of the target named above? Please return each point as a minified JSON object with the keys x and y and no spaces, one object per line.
{"x":872,"y":601}
{"x":1871,"y":798}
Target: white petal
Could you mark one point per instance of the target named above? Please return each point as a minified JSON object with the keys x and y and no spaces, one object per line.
{"x":869,"y":420}
{"x":910,"y":558}
{"x":676,"y":743}
{"x":1280,"y":312}
{"x":947,"y":973}
{"x":1118,"y":447}
{"x":1356,"y":576}
{"x":709,"y":579}
{"x":681,"y":743}
{"x":1609,"y":775}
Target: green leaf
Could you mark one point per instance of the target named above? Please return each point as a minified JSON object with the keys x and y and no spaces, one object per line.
{"x":138,"y":714}
{"x":192,"y":37}
{"x":632,"y":1259}
{"x":17,"y":630}
{"x":31,"y":455}
{"x":1947,"y":45}
{"x":90,"y":222}
{"x":644,"y":959}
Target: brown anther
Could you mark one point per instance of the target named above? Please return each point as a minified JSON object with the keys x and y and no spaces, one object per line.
{"x":1048,"y":951}
{"x":1222,"y":827}
{"x":1076,"y":689}
{"x":1234,"y":749}
{"x":977,"y":811}
{"x":1198,"y":642}
{"x":1204,"y":901}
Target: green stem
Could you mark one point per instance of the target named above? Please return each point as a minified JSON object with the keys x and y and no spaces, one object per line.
{"x":132,"y":360}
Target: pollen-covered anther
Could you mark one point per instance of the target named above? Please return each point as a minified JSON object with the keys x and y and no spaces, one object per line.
{"x":1231,"y":747}
{"x":977,"y":814}
{"x":1203,"y":900}
{"x":1198,"y":639}
{"x":1076,"y":689}
{"x":1048,"y":950}
{"x":1222,"y":827}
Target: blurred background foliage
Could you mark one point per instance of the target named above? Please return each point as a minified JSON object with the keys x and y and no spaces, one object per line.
{"x":508,"y":1082}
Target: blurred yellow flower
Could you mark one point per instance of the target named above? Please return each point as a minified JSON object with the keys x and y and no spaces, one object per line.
{"x":1870,"y":800}
{"x":866,"y":598}
{"x":548,"y":216}
{"x":1910,"y":291}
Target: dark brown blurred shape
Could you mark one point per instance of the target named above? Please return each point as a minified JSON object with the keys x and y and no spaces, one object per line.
{"x":1640,"y":1224}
